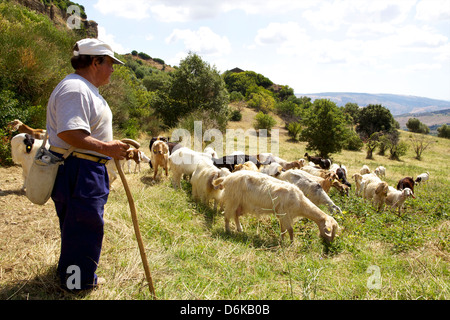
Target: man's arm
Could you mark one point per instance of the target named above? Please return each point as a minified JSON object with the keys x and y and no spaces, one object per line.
{"x":82,"y":140}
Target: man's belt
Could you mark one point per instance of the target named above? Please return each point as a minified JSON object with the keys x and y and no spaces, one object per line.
{"x":81,"y":155}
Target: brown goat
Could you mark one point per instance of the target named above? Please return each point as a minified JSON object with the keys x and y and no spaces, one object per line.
{"x":160,"y":156}
{"x":137,"y":156}
{"x":18,"y":125}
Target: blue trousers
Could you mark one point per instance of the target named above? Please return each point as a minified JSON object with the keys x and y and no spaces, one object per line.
{"x":81,"y":190}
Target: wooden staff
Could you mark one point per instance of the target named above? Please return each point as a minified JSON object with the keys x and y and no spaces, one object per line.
{"x":135,"y":219}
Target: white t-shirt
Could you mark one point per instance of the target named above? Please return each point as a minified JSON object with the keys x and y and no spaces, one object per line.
{"x":76,"y":104}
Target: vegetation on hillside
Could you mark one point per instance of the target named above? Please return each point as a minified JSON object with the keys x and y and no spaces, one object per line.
{"x":444,"y":131}
{"x":64,"y":4}
{"x":146,"y":96}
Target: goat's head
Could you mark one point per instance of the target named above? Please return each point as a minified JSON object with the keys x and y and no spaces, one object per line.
{"x":382,"y":189}
{"x":407,"y":192}
{"x":14,"y":125}
{"x":28,"y":141}
{"x":160,"y":147}
{"x":328,"y":229}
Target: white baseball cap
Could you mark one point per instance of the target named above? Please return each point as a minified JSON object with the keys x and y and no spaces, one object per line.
{"x":95,"y":47}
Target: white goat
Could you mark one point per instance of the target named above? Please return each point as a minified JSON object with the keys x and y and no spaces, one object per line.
{"x":396,"y":198}
{"x":211,"y":151}
{"x":184,"y":161}
{"x":273,"y":169}
{"x":23,"y":151}
{"x":254,"y":192}
{"x":202,"y":187}
{"x":422,"y":177}
{"x":374,"y":189}
{"x":364,"y":170}
{"x":325,"y":182}
{"x":310,"y":188}
{"x":269,"y":158}
{"x":358,"y":182}
{"x":380,"y":171}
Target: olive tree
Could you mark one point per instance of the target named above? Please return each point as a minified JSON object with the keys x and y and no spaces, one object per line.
{"x":195,"y":85}
{"x":325,"y":130}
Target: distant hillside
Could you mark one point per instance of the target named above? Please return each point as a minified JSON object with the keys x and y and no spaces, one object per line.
{"x":431,"y":119}
{"x":397,"y":104}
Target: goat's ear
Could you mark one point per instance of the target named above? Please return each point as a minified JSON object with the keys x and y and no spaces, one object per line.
{"x":217,"y":183}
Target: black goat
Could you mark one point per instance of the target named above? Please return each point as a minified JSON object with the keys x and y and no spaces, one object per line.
{"x":343,"y":177}
{"x":321,"y":162}
{"x":229,"y":162}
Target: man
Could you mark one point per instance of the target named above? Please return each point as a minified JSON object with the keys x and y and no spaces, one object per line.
{"x":79,"y":117}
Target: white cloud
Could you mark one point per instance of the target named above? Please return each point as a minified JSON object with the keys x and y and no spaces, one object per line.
{"x":136,"y":10}
{"x":166,"y":13}
{"x":280,"y":33}
{"x":290,"y":39}
{"x":421,"y":67}
{"x":258,"y":7}
{"x":433,"y":10}
{"x":203,"y":41}
{"x":110,"y":39}
{"x":193,"y":10}
{"x":331,"y":15}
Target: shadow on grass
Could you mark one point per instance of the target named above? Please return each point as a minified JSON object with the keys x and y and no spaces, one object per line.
{"x":43,"y":286}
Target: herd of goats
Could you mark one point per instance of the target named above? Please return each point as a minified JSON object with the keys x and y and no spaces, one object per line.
{"x":241,"y":184}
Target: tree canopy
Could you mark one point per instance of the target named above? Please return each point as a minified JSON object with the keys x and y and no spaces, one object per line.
{"x":374,"y":118}
{"x":414,"y":125}
{"x":195,"y":85}
{"x":444,"y":131}
{"x":325,"y":130}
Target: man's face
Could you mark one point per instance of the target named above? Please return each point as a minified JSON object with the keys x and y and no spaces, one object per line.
{"x":104,"y":71}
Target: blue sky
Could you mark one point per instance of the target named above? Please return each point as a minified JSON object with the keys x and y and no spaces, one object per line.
{"x":382,"y":46}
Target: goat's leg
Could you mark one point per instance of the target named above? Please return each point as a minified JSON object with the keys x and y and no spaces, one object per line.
{"x":238,"y":213}
{"x":156,"y":171}
{"x":228,"y":214}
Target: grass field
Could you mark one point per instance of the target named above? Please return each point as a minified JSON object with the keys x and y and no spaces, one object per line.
{"x":377,"y":255}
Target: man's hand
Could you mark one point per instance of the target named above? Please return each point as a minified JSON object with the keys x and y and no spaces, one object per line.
{"x":82,"y":140}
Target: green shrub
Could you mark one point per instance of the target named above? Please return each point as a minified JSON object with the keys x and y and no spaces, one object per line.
{"x":236,"y":115}
{"x":262,"y":101}
{"x":353,"y":142}
{"x":5,"y":148}
{"x":160,"y":61}
{"x":444,"y":131}
{"x":144,"y":56}
{"x":294,"y":130}
{"x":236,"y":96}
{"x":264,"y":121}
